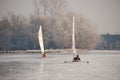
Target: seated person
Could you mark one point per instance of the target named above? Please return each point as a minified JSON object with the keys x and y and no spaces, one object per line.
{"x":76,"y":59}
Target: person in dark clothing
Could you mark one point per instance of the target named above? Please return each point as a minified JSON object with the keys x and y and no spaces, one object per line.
{"x":76,"y":59}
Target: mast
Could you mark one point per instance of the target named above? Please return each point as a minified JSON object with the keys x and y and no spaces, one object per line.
{"x":73,"y":37}
{"x":40,"y":37}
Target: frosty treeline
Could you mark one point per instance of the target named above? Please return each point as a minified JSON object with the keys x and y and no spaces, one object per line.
{"x":20,"y":33}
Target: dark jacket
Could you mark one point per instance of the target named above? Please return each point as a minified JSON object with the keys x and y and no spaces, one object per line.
{"x":76,"y":59}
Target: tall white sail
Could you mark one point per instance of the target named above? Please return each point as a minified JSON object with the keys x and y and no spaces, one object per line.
{"x":73,"y":37}
{"x":40,"y":37}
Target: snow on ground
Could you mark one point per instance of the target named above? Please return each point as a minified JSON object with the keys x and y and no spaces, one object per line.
{"x":34,"y":67}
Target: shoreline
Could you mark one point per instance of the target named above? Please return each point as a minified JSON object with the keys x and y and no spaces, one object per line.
{"x":62,"y":51}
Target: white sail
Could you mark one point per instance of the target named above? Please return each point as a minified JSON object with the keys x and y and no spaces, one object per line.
{"x":73,"y":37}
{"x":40,"y":37}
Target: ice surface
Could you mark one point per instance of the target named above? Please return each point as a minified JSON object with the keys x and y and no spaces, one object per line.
{"x":34,"y":67}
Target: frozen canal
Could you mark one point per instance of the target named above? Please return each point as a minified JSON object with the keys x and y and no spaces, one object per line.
{"x":33,"y":67}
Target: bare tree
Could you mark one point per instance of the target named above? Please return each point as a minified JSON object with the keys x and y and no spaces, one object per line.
{"x":5,"y":34}
{"x":86,"y":33}
{"x":50,"y":7}
{"x":20,"y":28}
{"x":20,"y":33}
{"x":57,"y":25}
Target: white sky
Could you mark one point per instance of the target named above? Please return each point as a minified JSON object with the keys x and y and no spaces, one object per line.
{"x":105,"y":13}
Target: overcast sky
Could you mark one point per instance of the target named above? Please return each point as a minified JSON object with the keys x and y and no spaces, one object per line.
{"x":105,"y":13}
